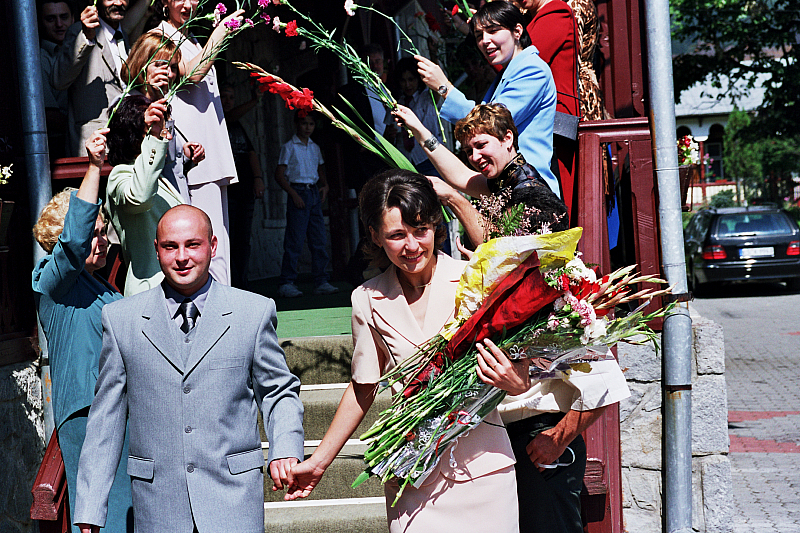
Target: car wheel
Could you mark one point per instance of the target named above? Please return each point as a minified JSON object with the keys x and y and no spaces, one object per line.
{"x":793,"y":284}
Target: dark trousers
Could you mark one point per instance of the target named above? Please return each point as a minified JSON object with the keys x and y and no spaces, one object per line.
{"x":549,"y":501}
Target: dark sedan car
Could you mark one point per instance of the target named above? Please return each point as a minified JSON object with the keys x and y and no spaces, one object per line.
{"x":736,"y":244}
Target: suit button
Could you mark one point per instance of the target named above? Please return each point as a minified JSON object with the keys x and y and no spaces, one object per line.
{"x":190,"y":468}
{"x":187,"y":389}
{"x":188,"y":429}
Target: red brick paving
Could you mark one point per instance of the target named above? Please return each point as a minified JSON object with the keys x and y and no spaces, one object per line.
{"x":754,"y":445}
{"x":741,"y":416}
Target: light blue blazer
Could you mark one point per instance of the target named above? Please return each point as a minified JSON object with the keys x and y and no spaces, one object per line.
{"x":527,"y":89}
{"x":195,"y":448}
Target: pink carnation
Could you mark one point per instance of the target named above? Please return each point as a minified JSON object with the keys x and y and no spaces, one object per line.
{"x":233,"y":24}
{"x":276,"y":24}
{"x":221,"y":9}
{"x":263,"y":4}
{"x":265,"y":17}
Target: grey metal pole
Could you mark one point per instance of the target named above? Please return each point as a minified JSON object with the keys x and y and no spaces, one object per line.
{"x":677,"y":334}
{"x":37,"y":159}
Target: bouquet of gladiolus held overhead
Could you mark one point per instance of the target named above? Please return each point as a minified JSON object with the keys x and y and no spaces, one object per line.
{"x":534,"y":297}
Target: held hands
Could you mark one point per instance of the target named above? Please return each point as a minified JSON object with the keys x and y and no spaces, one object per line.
{"x":96,"y":147}
{"x":495,"y":368}
{"x":280,"y":472}
{"x":194,"y":151}
{"x":154,"y":119}
{"x":90,"y":21}
{"x":431,"y":73}
{"x":304,"y":477}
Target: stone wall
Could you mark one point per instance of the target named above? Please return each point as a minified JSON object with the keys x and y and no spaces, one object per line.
{"x":22,"y":444}
{"x":641,"y":440}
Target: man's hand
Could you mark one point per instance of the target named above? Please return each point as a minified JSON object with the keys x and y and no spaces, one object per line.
{"x":96,"y":147}
{"x":88,"y":528}
{"x":194,"y":151}
{"x":323,"y":192}
{"x":90,"y":21}
{"x":279,"y":471}
{"x":154,"y":118}
{"x":304,"y":477}
{"x":546,"y":448}
{"x":297,"y":201}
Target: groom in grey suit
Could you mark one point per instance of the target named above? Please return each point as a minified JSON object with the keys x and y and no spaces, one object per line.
{"x":189,"y":364}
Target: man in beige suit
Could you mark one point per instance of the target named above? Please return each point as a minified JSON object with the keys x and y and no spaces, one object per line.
{"x":89,"y":63}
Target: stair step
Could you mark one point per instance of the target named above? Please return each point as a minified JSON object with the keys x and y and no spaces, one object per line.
{"x":320,"y":403}
{"x":348,"y":515}
{"x":319,"y":359}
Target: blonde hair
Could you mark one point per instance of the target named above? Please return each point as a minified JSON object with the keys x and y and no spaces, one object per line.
{"x":51,"y":220}
{"x":151,"y":46}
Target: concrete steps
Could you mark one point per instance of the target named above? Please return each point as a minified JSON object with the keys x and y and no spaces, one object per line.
{"x":323,"y":366}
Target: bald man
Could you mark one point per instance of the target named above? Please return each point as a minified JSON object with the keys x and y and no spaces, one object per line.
{"x":190,"y":362}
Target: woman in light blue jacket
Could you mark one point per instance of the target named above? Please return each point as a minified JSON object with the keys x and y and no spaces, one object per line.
{"x":524,"y":84}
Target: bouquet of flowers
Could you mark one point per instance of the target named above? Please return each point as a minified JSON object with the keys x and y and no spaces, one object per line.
{"x":688,"y":151}
{"x":535,"y":298}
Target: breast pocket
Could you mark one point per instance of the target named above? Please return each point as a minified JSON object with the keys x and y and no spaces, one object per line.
{"x":231,"y":362}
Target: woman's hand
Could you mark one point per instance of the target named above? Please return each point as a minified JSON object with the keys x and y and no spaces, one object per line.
{"x":466,"y":252}
{"x":431,"y":73}
{"x":158,"y":77}
{"x":444,"y":191}
{"x":96,"y":147}
{"x":406,"y":118}
{"x":154,"y":119}
{"x":303,"y":478}
{"x":194,"y":151}
{"x":223,"y":29}
{"x":495,"y":368}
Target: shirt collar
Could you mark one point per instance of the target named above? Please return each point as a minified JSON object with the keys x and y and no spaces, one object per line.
{"x":174,"y":298}
{"x":108,"y":30}
{"x":296,"y":140}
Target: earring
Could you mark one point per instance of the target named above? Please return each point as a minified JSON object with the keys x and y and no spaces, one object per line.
{"x":166,"y":11}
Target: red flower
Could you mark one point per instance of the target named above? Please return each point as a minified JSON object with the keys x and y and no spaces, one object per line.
{"x":291,"y":28}
{"x":454,"y":11}
{"x":432,"y":23}
{"x":303,"y":100}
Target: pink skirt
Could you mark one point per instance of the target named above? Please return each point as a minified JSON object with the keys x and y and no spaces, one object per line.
{"x":463,"y":506}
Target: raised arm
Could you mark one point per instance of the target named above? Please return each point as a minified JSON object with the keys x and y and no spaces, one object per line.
{"x":132,"y":187}
{"x":452,"y":170}
{"x":200,"y":64}
{"x":57,"y":272}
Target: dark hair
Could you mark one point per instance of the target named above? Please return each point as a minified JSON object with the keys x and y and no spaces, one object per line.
{"x":407,"y":64}
{"x":408,"y":191}
{"x":548,"y":208}
{"x":70,"y":5}
{"x":371,"y":48}
{"x":126,"y":133}
{"x":503,"y":14}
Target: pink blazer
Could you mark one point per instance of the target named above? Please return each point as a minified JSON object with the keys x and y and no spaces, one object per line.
{"x":385,"y":332}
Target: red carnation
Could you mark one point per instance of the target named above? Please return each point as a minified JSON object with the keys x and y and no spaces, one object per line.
{"x":454,"y":11}
{"x":291,"y":28}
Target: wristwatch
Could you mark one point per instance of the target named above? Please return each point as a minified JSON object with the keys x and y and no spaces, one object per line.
{"x":442,"y":90}
{"x":431,"y":143}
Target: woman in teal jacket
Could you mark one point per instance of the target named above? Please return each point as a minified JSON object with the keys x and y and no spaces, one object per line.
{"x":69,"y":299}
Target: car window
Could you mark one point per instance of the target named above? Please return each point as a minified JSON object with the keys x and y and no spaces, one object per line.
{"x":749,"y":223}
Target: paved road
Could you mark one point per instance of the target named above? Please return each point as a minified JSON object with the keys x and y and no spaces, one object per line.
{"x":762,"y":353}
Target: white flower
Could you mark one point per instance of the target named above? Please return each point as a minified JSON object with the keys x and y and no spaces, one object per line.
{"x":276,"y":24}
{"x":594,"y":330}
{"x":5,"y":174}
{"x":559,"y":304}
{"x":349,"y":6}
{"x":577,"y":270}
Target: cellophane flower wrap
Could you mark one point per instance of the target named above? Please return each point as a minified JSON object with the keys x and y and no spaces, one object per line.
{"x":533,"y":296}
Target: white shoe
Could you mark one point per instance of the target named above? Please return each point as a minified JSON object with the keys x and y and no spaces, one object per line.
{"x":289,"y":290}
{"x":326,"y":288}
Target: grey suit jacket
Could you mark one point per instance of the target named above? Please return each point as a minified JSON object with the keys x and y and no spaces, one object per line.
{"x":87,"y":70}
{"x":195,"y":449}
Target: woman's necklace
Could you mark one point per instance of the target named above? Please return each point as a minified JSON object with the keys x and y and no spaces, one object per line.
{"x":403,"y":279}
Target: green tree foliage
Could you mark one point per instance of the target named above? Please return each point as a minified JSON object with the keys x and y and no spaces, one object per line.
{"x":739,"y":39}
{"x":722,"y":199}
{"x":742,"y":156}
